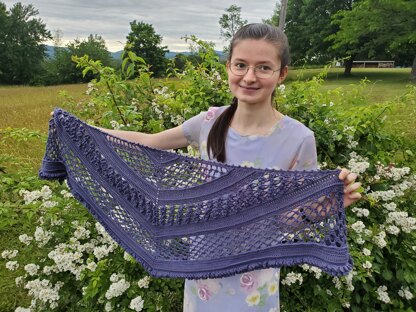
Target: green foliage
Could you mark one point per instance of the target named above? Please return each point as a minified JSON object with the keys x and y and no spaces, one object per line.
{"x":61,"y":69}
{"x":340,"y":132}
{"x":59,"y":245}
{"x":381,"y":227}
{"x":131,"y":99}
{"x":376,"y":29}
{"x":21,"y":48}
{"x":308,"y":23}
{"x":144,"y":42}
{"x":355,"y":139}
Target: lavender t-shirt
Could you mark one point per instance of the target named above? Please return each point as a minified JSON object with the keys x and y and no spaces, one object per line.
{"x":289,"y":145}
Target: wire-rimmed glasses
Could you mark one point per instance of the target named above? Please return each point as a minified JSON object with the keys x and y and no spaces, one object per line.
{"x":261,"y":71}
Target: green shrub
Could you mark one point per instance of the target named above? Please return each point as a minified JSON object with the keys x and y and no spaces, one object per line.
{"x":80,"y":275}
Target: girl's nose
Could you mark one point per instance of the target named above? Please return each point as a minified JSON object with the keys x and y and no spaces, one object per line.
{"x":250,"y":76}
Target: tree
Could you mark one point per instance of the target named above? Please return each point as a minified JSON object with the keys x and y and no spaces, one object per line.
{"x":378,"y":27}
{"x":231,"y":22}
{"x":144,"y":41}
{"x":307,"y":25}
{"x":21,"y":48}
{"x":61,"y":69}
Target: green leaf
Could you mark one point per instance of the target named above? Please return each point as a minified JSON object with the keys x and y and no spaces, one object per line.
{"x":387,"y":274}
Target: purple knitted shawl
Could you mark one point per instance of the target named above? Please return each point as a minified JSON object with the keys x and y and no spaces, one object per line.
{"x":185,"y":217}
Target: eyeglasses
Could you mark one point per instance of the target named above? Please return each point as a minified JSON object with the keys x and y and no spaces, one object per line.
{"x":261,"y":71}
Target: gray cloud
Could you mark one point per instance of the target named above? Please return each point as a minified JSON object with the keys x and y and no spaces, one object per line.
{"x":171,"y":19}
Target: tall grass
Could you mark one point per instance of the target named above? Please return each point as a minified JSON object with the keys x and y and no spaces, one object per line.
{"x":29,"y":107}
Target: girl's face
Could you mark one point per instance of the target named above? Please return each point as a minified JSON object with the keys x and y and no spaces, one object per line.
{"x":249,"y":88}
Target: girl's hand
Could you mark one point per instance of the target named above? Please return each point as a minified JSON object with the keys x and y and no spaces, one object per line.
{"x":351,"y":194}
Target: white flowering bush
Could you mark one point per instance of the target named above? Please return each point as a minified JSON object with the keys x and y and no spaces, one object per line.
{"x":65,"y":261}
{"x":77,"y":264}
{"x":382,"y":226}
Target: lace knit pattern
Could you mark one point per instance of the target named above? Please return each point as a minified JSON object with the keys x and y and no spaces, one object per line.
{"x":185,"y":217}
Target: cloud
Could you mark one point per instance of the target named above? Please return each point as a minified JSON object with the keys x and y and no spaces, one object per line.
{"x":172,"y":19}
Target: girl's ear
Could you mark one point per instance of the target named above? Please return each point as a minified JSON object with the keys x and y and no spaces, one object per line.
{"x":283,"y":74}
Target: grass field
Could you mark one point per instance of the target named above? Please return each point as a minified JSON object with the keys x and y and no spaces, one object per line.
{"x":29,"y":107}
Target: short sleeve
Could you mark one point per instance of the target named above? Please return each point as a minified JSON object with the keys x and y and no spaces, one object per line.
{"x":192,"y":128}
{"x":306,"y":157}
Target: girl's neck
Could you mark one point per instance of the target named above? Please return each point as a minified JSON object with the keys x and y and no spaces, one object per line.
{"x":252,"y":119}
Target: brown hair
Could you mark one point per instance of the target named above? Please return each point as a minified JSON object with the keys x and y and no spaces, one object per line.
{"x":218,"y":132}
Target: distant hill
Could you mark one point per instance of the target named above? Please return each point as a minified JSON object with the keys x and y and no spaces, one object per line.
{"x":50,"y":52}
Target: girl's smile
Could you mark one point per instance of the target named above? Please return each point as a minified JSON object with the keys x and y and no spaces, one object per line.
{"x":253,"y":54}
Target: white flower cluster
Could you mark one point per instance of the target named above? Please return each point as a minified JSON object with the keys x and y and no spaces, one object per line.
{"x":367,"y":265}
{"x":25,"y":239}
{"x":383,"y":195}
{"x":66,"y":260}
{"x":347,"y":280}
{"x":108,"y":307}
{"x":42,"y":236}
{"x":379,"y":239}
{"x":115,"y":277}
{"x":117,"y":289}
{"x":32,"y":269}
{"x":45,"y":193}
{"x":66,"y":194}
{"x":101,"y":252}
{"x":91,"y":88}
{"x":44,"y":291}
{"x":9,"y":254}
{"x":357,"y":163}
{"x":177,"y":120}
{"x":144,"y":282}
{"x":400,"y":219}
{"x":312,"y":269}
{"x":137,"y":304}
{"x":361,"y":212}
{"x":81,"y":232}
{"x":405,"y":293}
{"x":358,"y":227}
{"x":49,"y":204}
{"x":164,"y":92}
{"x":366,"y":252}
{"x":350,"y":131}
{"x":382,"y":294}
{"x":12,"y":265}
{"x":390,"y":206}
{"x":391,"y":172}
{"x":292,"y":278}
{"x":115,"y":125}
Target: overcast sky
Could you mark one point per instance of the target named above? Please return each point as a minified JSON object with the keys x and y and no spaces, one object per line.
{"x":172,"y":19}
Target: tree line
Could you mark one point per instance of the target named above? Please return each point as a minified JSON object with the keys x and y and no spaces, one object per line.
{"x":23,"y":57}
{"x":319,"y":32}
{"x":322,"y":30}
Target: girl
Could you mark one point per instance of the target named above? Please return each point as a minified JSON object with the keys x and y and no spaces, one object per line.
{"x":249,"y":132}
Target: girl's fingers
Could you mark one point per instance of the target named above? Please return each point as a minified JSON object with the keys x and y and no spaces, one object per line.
{"x":352,"y":187}
{"x":355,"y":196}
{"x":350,"y":178}
{"x":343,"y":174}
